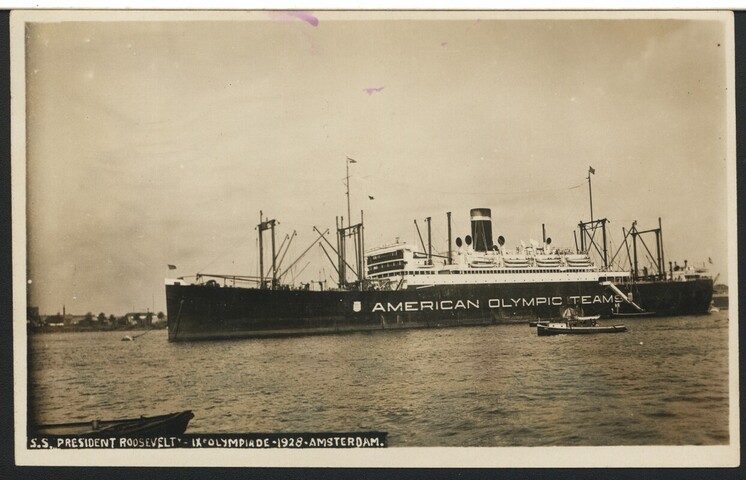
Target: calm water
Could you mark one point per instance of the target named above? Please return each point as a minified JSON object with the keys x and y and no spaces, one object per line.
{"x":663,"y":382}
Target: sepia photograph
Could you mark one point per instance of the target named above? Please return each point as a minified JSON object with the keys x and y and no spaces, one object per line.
{"x":374,"y":238}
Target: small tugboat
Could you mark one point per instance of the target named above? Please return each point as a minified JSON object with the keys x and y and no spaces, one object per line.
{"x":568,"y":327}
{"x":572,"y":323}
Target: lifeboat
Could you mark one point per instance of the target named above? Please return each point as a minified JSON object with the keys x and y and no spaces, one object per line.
{"x":515,"y":261}
{"x":547,"y":260}
{"x":578,"y":261}
{"x":482,"y":262}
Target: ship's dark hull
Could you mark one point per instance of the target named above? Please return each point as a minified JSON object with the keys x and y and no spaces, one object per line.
{"x":674,"y":298}
{"x":201,"y":312}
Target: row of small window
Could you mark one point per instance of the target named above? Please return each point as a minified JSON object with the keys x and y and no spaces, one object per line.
{"x":469,"y":272}
{"x":386,"y":256}
{"x":386,"y":267}
{"x":521,"y":270}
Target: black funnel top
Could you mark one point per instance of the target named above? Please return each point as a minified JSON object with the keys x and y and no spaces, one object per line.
{"x":481,"y":228}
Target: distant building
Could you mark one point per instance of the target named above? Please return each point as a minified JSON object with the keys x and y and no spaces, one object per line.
{"x":140,"y":319}
{"x":53,"y":320}
{"x":73,"y":320}
{"x":160,"y":320}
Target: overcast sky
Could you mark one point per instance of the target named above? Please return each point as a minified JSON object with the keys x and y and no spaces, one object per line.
{"x":157,"y":142}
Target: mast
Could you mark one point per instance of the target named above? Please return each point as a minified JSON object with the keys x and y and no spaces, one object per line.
{"x":261,"y":253}
{"x":606,"y":254}
{"x":341,"y":253}
{"x":591,"y":171}
{"x":347,"y":183}
{"x":429,"y":243}
{"x":634,"y":250}
{"x":450,"y":256}
{"x":274,"y":257}
{"x":663,"y":254}
{"x":361,"y":235}
{"x":267,"y":225}
{"x":355,"y":232}
{"x":658,"y":258}
{"x":587,"y":238}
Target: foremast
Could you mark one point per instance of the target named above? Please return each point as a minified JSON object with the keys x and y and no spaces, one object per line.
{"x":353,"y":234}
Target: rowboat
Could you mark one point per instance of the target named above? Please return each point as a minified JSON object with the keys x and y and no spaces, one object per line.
{"x":160,"y":425}
{"x":580,"y":321}
{"x":633,"y":314}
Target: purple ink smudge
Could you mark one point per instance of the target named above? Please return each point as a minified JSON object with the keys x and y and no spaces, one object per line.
{"x":306,"y":17}
{"x":294,"y":14}
{"x":443,"y":44}
{"x":371,"y":91}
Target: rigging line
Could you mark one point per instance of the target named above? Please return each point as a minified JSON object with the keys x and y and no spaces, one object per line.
{"x":277,"y":254}
{"x":329,"y":257}
{"x":304,"y":253}
{"x":472,"y":192}
{"x":224,"y":252}
{"x":438,"y":240}
{"x":622,"y":244}
{"x":649,"y":256}
{"x":296,"y":275}
{"x":516,"y":192}
{"x":420,"y":235}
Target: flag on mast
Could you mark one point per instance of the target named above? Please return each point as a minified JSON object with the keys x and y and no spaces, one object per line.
{"x":171,"y":267}
{"x":591,"y":170}
{"x":351,"y":160}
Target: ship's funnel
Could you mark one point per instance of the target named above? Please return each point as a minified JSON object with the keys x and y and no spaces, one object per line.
{"x":481,"y":228}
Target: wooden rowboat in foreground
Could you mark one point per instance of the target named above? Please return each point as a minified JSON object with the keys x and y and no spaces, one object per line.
{"x":160,"y":425}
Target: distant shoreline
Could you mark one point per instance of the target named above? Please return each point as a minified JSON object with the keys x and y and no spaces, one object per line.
{"x":77,"y":329}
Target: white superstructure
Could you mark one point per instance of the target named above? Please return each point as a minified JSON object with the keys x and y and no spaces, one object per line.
{"x":400,"y":266}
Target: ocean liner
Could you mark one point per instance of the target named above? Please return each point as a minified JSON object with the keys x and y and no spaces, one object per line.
{"x":398,"y":286}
